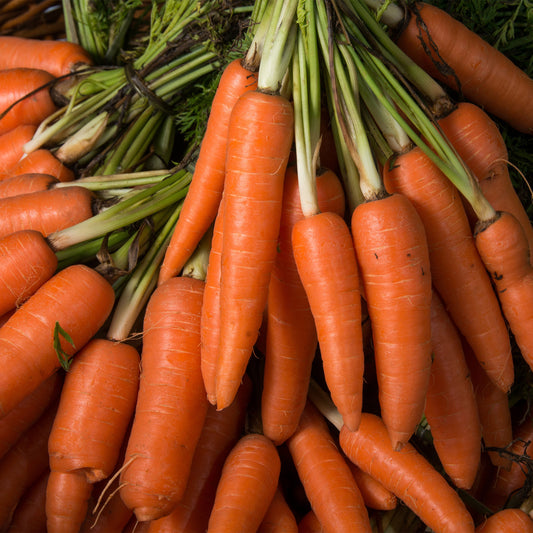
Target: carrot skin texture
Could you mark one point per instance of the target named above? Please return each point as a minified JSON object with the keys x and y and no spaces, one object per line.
{"x":95,"y":409}
{"x":40,"y":161}
{"x":259,"y":142}
{"x":391,"y":269}
{"x":507,"y":521}
{"x":201,"y":203}
{"x":324,"y":254}
{"x":247,"y":485}
{"x":478,"y":66}
{"x":408,"y":474}
{"x":279,"y":517}
{"x":26,"y":183}
{"x":171,"y":403}
{"x":374,"y":494}
{"x":26,"y":262}
{"x":12,"y":143}
{"x":80,"y":300}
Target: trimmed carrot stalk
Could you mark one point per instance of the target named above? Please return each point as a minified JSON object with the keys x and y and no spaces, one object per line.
{"x":279,"y":517}
{"x":26,"y":183}
{"x":12,"y":143}
{"x":46,"y":211}
{"x":457,"y":270}
{"x":26,"y":262}
{"x":327,"y":480}
{"x":40,"y":161}
{"x":79,"y":300}
{"x":451,"y":407}
{"x":408,"y":474}
{"x":259,"y":142}
{"x":392,"y":252}
{"x":205,"y":192}
{"x":291,"y":338}
{"x":507,"y":521}
{"x":331,"y":282}
{"x":247,"y":485}
{"x":374,"y":494}
{"x":461,"y":59}
{"x":95,"y":409}
{"x":171,"y":403}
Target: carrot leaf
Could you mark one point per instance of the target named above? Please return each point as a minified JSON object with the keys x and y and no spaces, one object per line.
{"x":65,"y":358}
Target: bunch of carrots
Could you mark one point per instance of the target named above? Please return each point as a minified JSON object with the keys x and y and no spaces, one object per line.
{"x":318,"y":319}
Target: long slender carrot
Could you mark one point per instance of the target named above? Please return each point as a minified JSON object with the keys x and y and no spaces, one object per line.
{"x":46,"y":211}
{"x":452,"y":53}
{"x":327,"y":480}
{"x":507,"y":521}
{"x":79,"y":300}
{"x":12,"y":143}
{"x":26,"y":183}
{"x":247,"y":485}
{"x":408,"y":474}
{"x":26,"y":262}
{"x":374,"y":494}
{"x":171,"y":404}
{"x":40,"y":161}
{"x":279,"y":517}
{"x":201,"y":203}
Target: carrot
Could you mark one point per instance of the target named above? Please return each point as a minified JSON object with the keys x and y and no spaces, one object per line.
{"x":310,"y":523}
{"x":205,"y":192}
{"x":58,"y":57}
{"x":95,"y":409}
{"x":40,"y":161}
{"x":374,"y":494}
{"x":26,"y":262}
{"x":507,"y":521}
{"x":291,"y":338}
{"x":79,"y":300}
{"x":406,"y":473}
{"x":12,"y":143}
{"x":46,"y":211}
{"x":26,"y":183}
{"x":451,"y":407}
{"x":259,"y":140}
{"x":392,"y":252}
{"x":279,"y":517}
{"x":455,"y":55}
{"x":171,"y":404}
{"x":327,"y":480}
{"x":247,"y":485}
{"x":24,"y":98}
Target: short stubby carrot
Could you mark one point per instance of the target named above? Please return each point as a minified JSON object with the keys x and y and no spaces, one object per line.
{"x":95,"y":409}
{"x":24,"y":97}
{"x":78,"y":300}
{"x":12,"y":143}
{"x":171,"y":404}
{"x":507,"y":521}
{"x":201,"y":203}
{"x":259,"y":141}
{"x":408,"y":474}
{"x":26,"y":183}
{"x":41,"y":161}
{"x":247,"y":485}
{"x":26,"y":262}
{"x":46,"y":211}
{"x":392,"y":253}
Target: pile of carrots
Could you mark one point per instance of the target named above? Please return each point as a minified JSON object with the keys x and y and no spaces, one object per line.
{"x":331,"y":338}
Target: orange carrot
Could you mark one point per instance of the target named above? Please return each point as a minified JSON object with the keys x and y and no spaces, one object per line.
{"x":12,"y":143}
{"x":374,"y":494}
{"x":26,"y":262}
{"x":457,"y":56}
{"x":451,"y":408}
{"x":408,"y":474}
{"x":310,"y":524}
{"x":259,"y":140}
{"x":46,"y":211}
{"x":201,"y":203}
{"x":507,"y":521}
{"x":291,"y":338}
{"x":79,"y":300}
{"x":247,"y":485}
{"x":392,"y":252}
{"x":171,"y":404}
{"x":26,"y":183}
{"x":58,"y":57}
{"x":327,"y":480}
{"x":457,"y":271}
{"x":40,"y":161}
{"x":95,"y":409}
{"x":24,"y":98}
{"x":279,"y":517}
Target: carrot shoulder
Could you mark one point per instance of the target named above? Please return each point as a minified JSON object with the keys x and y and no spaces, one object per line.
{"x":507,"y":521}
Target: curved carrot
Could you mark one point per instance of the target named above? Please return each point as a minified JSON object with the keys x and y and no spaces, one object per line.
{"x":58,"y":57}
{"x":259,"y":141}
{"x":205,"y":192}
{"x":46,"y":211}
{"x":95,"y":409}
{"x":24,"y":97}
{"x":327,"y":480}
{"x":26,"y":183}
{"x":457,"y":271}
{"x":247,"y":485}
{"x":26,"y":262}
{"x":40,"y":161}
{"x":291,"y":339}
{"x":12,"y":143}
{"x":171,"y":404}
{"x":507,"y":521}
{"x":408,"y":474}
{"x":374,"y":494}
{"x":392,"y":252}
{"x":279,"y":517}
{"x":79,"y":300}
{"x":457,"y":56}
